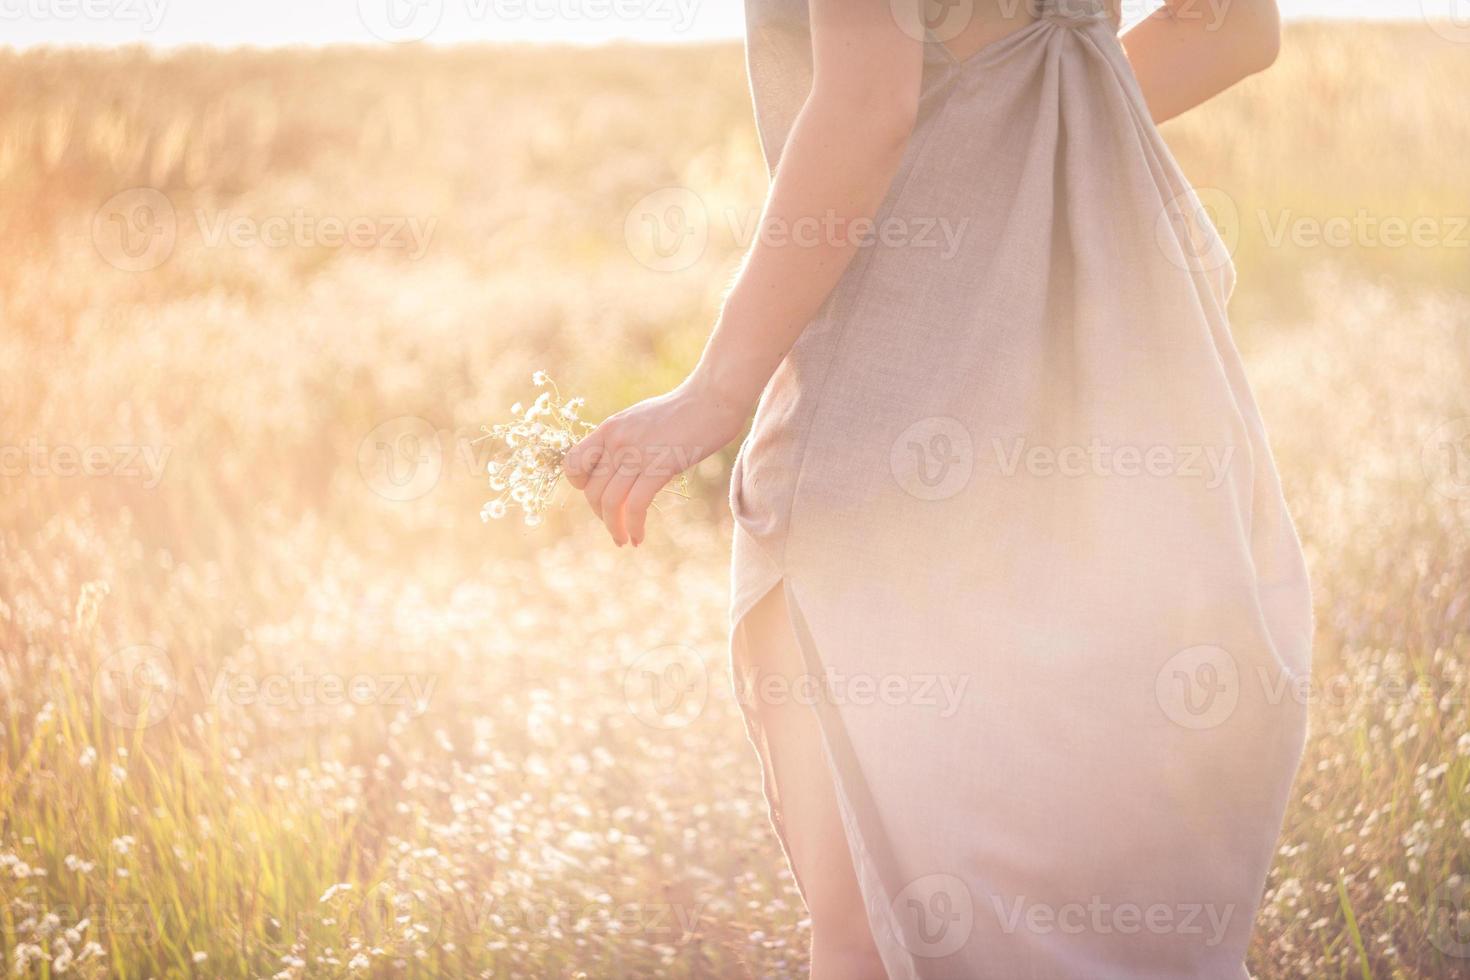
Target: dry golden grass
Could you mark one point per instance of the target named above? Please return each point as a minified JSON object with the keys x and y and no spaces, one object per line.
{"x":514,"y":813}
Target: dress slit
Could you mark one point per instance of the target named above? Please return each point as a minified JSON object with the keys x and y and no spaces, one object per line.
{"x":867,"y":842}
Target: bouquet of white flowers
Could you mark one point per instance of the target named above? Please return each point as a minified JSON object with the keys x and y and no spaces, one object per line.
{"x":527,"y":463}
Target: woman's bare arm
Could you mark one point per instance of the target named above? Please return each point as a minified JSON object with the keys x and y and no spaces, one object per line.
{"x":842,"y":153}
{"x":1190,"y":51}
{"x":841,"y":156}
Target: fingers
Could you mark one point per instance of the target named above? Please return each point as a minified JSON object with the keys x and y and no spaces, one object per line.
{"x":636,"y":506}
{"x":596,"y":483}
{"x":611,"y":505}
{"x":620,"y":466}
{"x":581,"y":460}
{"x":618,"y":479}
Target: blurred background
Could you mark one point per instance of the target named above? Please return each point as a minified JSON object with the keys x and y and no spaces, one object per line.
{"x":275,"y":702}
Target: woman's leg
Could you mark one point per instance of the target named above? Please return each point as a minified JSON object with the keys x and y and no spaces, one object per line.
{"x":842,"y":944}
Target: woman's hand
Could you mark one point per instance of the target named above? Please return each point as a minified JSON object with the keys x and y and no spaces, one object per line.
{"x":632,"y":455}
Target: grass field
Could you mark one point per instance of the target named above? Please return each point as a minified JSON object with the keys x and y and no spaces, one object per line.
{"x":273,"y":701}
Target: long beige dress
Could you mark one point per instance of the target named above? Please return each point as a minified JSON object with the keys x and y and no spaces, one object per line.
{"x":1019,"y":497}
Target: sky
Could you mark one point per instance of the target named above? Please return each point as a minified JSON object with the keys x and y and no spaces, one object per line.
{"x":25,"y":23}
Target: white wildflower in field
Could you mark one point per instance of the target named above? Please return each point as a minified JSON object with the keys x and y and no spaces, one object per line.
{"x":74,"y":863}
{"x":25,"y":954}
{"x":334,"y":891}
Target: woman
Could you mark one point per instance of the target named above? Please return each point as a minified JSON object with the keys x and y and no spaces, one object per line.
{"x":1006,"y":498}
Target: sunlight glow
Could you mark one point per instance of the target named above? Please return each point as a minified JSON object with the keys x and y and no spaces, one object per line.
{"x":24,"y":23}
